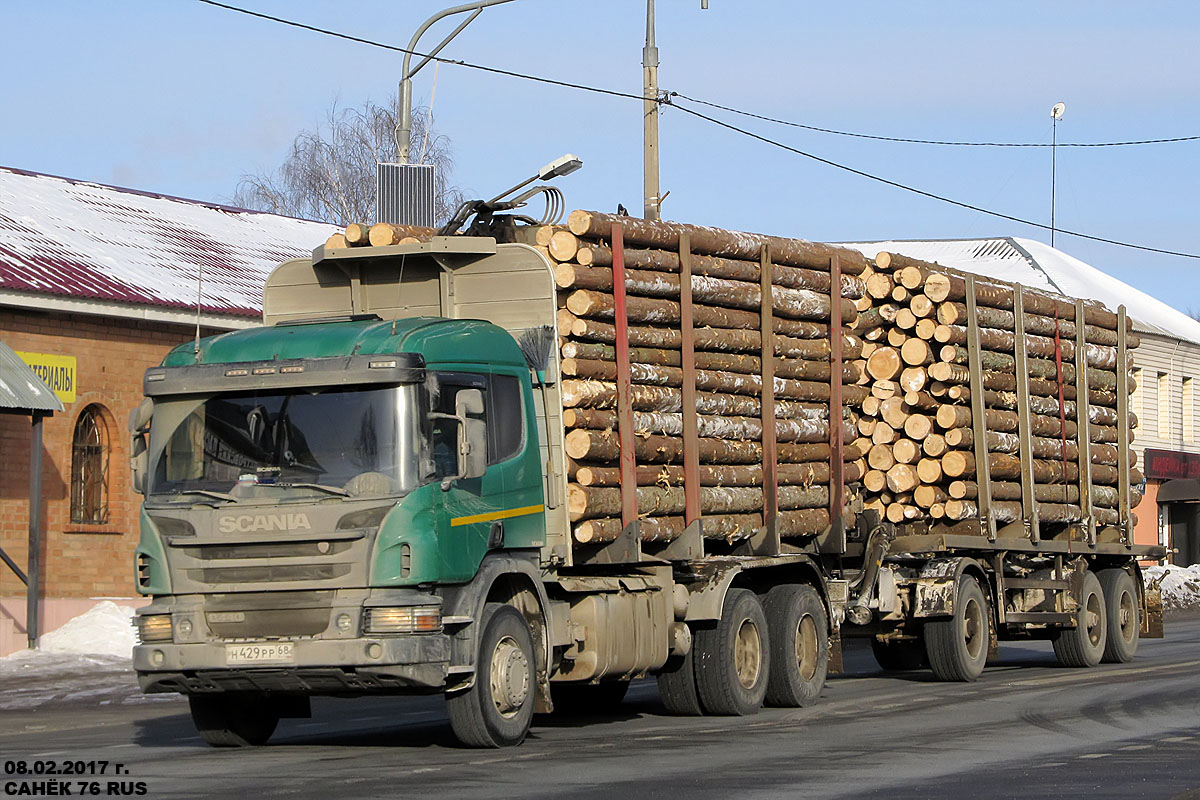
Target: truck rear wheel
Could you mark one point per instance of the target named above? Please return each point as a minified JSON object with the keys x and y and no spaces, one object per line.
{"x":901,"y":656}
{"x":799,"y":636}
{"x":234,"y":719}
{"x":498,"y":708}
{"x":958,"y":647}
{"x":732,"y":659}
{"x":1083,"y":645}
{"x":677,"y":685}
{"x":1124,"y":618}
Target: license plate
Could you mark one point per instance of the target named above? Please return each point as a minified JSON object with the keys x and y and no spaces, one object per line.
{"x":260,"y":653}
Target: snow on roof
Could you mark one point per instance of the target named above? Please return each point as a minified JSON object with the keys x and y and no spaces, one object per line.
{"x":1040,"y":266}
{"x":65,"y":237}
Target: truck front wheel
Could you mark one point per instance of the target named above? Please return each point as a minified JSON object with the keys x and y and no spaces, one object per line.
{"x":957,"y":647}
{"x":732,"y":659}
{"x":799,"y":632}
{"x":498,"y":708}
{"x":234,"y":719}
{"x":1083,"y":645}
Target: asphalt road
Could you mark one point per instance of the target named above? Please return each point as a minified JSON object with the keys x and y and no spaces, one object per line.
{"x":1027,"y":728}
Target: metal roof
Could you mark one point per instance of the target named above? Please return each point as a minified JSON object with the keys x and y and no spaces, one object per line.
{"x":20,"y":388}
{"x":1041,"y":266}
{"x":65,"y":237}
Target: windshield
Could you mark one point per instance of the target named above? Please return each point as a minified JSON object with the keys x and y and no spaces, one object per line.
{"x":363,"y":441}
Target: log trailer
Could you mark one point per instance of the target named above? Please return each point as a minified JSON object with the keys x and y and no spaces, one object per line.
{"x":372,"y":494}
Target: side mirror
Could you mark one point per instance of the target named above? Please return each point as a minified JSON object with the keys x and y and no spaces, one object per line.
{"x":472,"y":437}
{"x":139,"y":449}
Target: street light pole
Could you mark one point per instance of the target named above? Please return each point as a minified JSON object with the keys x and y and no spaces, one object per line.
{"x":404,"y":127}
{"x":1055,"y":115}
{"x":650,"y":118}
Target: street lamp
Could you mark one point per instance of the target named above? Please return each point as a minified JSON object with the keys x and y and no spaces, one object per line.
{"x":1056,"y":114}
{"x":404,"y":128}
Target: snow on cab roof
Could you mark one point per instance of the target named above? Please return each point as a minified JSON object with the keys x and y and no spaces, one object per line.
{"x":1041,"y":266}
{"x":65,"y":237}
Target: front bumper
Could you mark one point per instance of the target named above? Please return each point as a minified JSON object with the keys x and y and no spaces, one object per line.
{"x":365,"y":665}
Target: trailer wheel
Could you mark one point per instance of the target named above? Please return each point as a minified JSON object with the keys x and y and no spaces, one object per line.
{"x":902,"y":656}
{"x":234,"y":719}
{"x":732,"y":659}
{"x":498,"y":708}
{"x":958,"y":647}
{"x":677,"y":685}
{"x":1084,"y":645}
{"x":1124,"y":615}
{"x":586,"y":699}
{"x":799,"y":635}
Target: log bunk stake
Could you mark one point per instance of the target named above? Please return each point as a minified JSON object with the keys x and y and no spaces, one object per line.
{"x":837,"y":482}
{"x":1123,"y":443}
{"x":1084,"y":431}
{"x":979,"y":416}
{"x":1021,"y":354}
{"x":766,"y":541}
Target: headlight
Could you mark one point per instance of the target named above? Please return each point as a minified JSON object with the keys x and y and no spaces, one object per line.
{"x":154,"y":628}
{"x":411,"y":619}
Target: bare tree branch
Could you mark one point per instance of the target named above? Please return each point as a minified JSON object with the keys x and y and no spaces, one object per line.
{"x":329,"y":174}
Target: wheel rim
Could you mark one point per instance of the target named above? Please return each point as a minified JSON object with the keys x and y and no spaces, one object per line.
{"x":1127,"y":616}
{"x":806,"y":648}
{"x":747,"y":654}
{"x":1093,"y":619}
{"x":974,"y":628}
{"x":509,"y":677}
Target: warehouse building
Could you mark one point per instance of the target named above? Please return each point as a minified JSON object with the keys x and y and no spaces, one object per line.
{"x":97,"y":283}
{"x":1166,"y":370}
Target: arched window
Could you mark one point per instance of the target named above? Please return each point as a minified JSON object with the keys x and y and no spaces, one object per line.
{"x":89,"y":468}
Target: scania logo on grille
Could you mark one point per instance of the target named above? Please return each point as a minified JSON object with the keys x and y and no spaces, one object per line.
{"x":245,"y":523}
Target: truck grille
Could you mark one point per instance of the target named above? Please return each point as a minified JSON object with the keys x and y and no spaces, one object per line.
{"x":269,"y":574}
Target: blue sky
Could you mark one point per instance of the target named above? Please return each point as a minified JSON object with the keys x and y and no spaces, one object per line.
{"x":182,"y":98}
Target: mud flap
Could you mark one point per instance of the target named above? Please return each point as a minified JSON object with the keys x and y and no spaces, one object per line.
{"x":1152,"y":620}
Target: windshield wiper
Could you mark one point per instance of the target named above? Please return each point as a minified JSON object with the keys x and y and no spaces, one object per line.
{"x":208,"y":493}
{"x":318,"y":486}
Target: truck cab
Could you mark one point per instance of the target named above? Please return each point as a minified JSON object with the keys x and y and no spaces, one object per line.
{"x":333,"y":501}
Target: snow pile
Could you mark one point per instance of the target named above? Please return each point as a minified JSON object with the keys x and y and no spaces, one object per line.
{"x":1180,"y":585}
{"x":86,"y":660}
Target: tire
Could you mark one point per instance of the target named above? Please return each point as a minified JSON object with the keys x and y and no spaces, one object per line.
{"x":732,"y":659}
{"x":957,"y":647}
{"x":677,"y":685}
{"x":588,"y":699}
{"x":1124,"y":616}
{"x":901,"y":656}
{"x":798,"y":630}
{"x":1084,"y":645}
{"x":234,"y":719}
{"x":498,"y":708}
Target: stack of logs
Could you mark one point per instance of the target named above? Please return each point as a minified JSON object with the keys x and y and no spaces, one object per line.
{"x":921,"y":464}
{"x":906,"y":418}
{"x":726,"y":292}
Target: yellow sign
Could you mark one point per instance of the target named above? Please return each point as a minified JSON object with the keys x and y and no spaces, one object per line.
{"x":57,"y":372}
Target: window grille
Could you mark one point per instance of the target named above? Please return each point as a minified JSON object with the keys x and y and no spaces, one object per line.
{"x":89,"y":468}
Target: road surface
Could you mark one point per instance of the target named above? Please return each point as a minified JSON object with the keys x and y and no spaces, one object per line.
{"x":1027,"y":728}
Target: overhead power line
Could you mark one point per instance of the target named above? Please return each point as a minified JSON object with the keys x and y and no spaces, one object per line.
{"x":922,"y":192}
{"x":666,"y":100}
{"x":927,"y":141}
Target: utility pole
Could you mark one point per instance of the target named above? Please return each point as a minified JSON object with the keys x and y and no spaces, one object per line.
{"x":650,"y":117}
{"x":653,"y":201}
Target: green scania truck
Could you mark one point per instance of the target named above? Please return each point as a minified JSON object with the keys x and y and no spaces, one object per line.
{"x":367,"y":495}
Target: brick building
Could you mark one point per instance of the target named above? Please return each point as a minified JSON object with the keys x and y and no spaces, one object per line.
{"x":97,"y":283}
